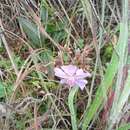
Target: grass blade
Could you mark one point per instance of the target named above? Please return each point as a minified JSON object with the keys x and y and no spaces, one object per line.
{"x":106,"y":83}
{"x":71,"y":107}
{"x":110,"y":72}
{"x":121,"y":97}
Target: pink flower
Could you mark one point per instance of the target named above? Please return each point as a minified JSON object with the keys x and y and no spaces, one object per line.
{"x":72,"y":76}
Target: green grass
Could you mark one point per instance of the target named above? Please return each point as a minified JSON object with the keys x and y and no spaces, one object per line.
{"x":93,"y":36}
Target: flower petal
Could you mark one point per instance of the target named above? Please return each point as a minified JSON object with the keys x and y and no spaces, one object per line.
{"x":63,"y":81}
{"x":81,"y":83}
{"x":68,"y":82}
{"x":60,"y":73}
{"x":80,"y":74}
{"x":69,"y":69}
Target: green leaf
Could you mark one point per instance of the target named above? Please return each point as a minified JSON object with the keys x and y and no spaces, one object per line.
{"x":44,"y":14}
{"x":105,"y":84}
{"x":81,"y":43}
{"x":123,"y":98}
{"x":71,"y":107}
{"x":117,"y":62}
{"x":2,"y":90}
{"x":124,"y":127}
{"x":60,"y":35}
{"x":98,"y":100}
{"x":31,"y":30}
{"x":124,"y":94}
{"x":47,"y":57}
{"x":121,"y":94}
{"x":65,"y":57}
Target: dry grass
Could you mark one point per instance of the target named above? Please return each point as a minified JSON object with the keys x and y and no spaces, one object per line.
{"x":74,"y":32}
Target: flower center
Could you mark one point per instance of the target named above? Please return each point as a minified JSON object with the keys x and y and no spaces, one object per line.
{"x":71,"y":81}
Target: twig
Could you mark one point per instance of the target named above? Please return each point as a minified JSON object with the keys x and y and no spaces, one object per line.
{"x":9,"y":52}
{"x":35,"y":117}
{"x":8,"y":49}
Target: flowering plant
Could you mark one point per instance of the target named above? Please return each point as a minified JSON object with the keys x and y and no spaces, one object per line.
{"x":72,"y":76}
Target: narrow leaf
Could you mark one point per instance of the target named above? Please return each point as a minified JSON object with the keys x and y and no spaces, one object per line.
{"x":71,"y":107}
